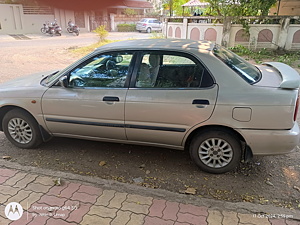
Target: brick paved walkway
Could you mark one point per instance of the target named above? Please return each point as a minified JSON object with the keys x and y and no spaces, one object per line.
{"x":76,"y":202}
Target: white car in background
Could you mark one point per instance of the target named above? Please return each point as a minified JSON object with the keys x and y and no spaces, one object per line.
{"x":148,"y":25}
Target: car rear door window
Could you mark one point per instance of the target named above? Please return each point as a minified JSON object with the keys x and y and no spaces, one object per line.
{"x":171,"y":70}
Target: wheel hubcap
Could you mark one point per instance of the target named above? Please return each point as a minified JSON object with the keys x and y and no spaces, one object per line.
{"x":20,"y":130}
{"x":215,"y":152}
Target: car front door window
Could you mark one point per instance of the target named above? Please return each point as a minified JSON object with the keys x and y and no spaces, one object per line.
{"x":107,"y":70}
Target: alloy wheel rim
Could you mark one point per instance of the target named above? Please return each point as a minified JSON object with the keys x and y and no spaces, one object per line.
{"x":215,"y":152}
{"x":20,"y":130}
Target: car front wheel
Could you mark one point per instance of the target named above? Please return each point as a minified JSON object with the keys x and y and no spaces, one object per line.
{"x":148,"y":30}
{"x":216,"y":151}
{"x":21,"y":129}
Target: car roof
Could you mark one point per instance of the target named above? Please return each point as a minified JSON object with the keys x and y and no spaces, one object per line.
{"x":149,"y":19}
{"x":160,"y":44}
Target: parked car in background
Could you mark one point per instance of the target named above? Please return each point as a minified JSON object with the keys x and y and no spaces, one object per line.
{"x":148,"y":25}
{"x":173,"y":93}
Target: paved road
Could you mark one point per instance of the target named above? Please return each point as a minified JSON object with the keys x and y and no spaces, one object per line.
{"x":88,"y":201}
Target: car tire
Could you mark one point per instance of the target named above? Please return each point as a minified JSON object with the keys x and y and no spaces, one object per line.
{"x":216,"y":151}
{"x":148,"y":30}
{"x":21,"y":129}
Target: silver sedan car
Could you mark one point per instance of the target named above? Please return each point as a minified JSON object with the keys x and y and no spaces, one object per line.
{"x":179,"y":94}
{"x":148,"y":25}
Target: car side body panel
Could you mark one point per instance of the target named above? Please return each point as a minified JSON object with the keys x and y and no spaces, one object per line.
{"x":164,"y":116}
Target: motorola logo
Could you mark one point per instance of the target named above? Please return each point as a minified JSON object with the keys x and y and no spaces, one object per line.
{"x":13,"y":211}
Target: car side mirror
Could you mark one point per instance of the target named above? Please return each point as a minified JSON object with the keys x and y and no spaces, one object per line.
{"x":63,"y":81}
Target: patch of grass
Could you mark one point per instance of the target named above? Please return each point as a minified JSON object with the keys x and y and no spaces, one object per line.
{"x":156,"y":35}
{"x":262,"y":55}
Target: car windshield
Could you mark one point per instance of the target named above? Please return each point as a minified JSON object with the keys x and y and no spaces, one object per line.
{"x":246,"y":70}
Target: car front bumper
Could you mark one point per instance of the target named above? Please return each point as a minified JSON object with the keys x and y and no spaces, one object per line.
{"x":271,"y":142}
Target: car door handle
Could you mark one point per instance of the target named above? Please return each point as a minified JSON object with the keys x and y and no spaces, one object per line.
{"x":200,"y":102}
{"x":110,"y":99}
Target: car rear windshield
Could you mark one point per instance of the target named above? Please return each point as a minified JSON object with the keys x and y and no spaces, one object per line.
{"x":246,"y":70}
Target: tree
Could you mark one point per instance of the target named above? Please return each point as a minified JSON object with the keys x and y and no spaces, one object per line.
{"x":225,"y":7}
{"x":174,"y":7}
{"x":239,"y":7}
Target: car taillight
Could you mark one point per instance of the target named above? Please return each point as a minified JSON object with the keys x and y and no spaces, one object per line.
{"x":296,"y":109}
{"x":144,"y":24}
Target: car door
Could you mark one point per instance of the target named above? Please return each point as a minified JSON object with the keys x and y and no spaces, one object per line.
{"x":171,"y":93}
{"x":156,"y":24}
{"x":92,"y":104}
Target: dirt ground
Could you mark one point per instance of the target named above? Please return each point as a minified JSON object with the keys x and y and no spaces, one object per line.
{"x":266,"y":180}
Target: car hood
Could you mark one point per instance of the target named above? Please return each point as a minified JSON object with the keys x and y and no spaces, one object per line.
{"x":32,"y":80}
{"x":279,"y":75}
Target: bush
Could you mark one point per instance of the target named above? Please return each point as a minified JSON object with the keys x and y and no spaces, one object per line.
{"x":126,"y":27}
{"x":102,"y":32}
{"x":129,"y":12}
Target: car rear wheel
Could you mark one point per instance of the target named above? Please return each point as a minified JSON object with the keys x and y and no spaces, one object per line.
{"x":148,"y":30}
{"x":21,"y":129}
{"x":216,"y":151}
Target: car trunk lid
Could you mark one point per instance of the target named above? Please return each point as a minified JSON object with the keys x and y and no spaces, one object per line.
{"x":279,"y":75}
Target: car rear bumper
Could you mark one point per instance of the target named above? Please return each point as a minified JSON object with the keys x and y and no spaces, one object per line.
{"x":271,"y":142}
{"x":141,"y":28}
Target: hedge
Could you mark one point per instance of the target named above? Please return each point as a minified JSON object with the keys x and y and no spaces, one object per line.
{"x":126,"y":27}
